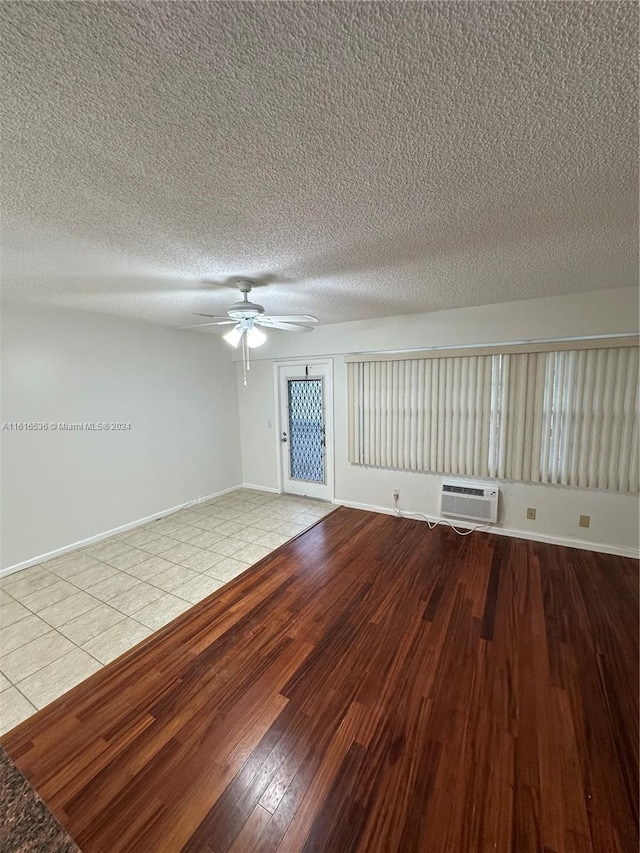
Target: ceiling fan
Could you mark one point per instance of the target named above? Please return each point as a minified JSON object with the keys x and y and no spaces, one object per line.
{"x":246,"y":316}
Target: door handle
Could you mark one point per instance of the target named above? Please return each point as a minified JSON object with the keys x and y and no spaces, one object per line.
{"x":284,"y":437}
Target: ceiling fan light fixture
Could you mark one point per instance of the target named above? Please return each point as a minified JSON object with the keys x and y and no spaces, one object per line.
{"x":255,"y":338}
{"x":233,"y":337}
{"x":246,"y":316}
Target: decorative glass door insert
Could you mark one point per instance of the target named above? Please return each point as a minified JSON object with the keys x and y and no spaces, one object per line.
{"x":306,"y":430}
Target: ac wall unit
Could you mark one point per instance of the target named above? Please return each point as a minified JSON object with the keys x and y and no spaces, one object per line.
{"x":469,"y":501}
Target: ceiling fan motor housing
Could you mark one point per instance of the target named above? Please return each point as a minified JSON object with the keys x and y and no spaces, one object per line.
{"x":245,"y":310}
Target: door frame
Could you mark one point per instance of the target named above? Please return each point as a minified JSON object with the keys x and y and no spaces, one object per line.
{"x":329,"y":459}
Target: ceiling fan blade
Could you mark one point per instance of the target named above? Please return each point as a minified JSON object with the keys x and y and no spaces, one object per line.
{"x":270,"y":323}
{"x":292,"y":318}
{"x":220,"y":318}
{"x":215,"y":323}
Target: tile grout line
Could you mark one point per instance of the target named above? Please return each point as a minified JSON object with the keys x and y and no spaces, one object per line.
{"x":26,"y":698}
{"x":60,"y":634}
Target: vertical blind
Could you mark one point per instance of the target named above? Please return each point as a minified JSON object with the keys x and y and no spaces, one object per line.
{"x":559,"y":416}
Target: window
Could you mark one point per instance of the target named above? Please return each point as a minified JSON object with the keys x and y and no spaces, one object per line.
{"x":567,"y":416}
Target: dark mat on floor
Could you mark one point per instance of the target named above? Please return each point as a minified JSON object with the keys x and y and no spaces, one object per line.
{"x":26,"y":824}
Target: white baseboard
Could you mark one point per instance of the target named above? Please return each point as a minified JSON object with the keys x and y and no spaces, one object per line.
{"x":83,"y":543}
{"x":261,"y":488}
{"x":600,"y":547}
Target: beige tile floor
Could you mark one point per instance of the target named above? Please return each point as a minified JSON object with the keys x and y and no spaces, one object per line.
{"x":62,"y":620}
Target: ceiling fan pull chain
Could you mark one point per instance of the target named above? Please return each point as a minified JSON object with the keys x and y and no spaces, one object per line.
{"x":244,"y":358}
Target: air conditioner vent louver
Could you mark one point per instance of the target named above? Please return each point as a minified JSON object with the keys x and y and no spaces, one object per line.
{"x":469,"y":501}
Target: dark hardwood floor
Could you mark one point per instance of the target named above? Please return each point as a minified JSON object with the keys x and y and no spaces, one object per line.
{"x":372,"y":686}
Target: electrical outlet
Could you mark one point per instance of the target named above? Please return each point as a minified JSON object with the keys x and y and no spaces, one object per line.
{"x":396,"y":494}
{"x":585,"y":521}
{"x":531,"y":513}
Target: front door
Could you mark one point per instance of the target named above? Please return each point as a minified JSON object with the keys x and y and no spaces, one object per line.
{"x":305,"y":429}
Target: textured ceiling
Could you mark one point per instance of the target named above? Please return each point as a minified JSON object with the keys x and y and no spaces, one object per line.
{"x":360,"y":159}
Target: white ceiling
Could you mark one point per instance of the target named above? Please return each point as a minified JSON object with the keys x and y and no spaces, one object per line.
{"x":360,"y":159}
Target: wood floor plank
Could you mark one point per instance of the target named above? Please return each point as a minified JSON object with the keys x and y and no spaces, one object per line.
{"x":372,"y":686}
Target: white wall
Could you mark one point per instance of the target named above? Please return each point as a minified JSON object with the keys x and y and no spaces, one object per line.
{"x":614,"y":516}
{"x":258,"y":422}
{"x":177,"y":390}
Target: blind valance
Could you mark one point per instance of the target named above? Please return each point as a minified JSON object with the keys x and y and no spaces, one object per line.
{"x":498,"y":349}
